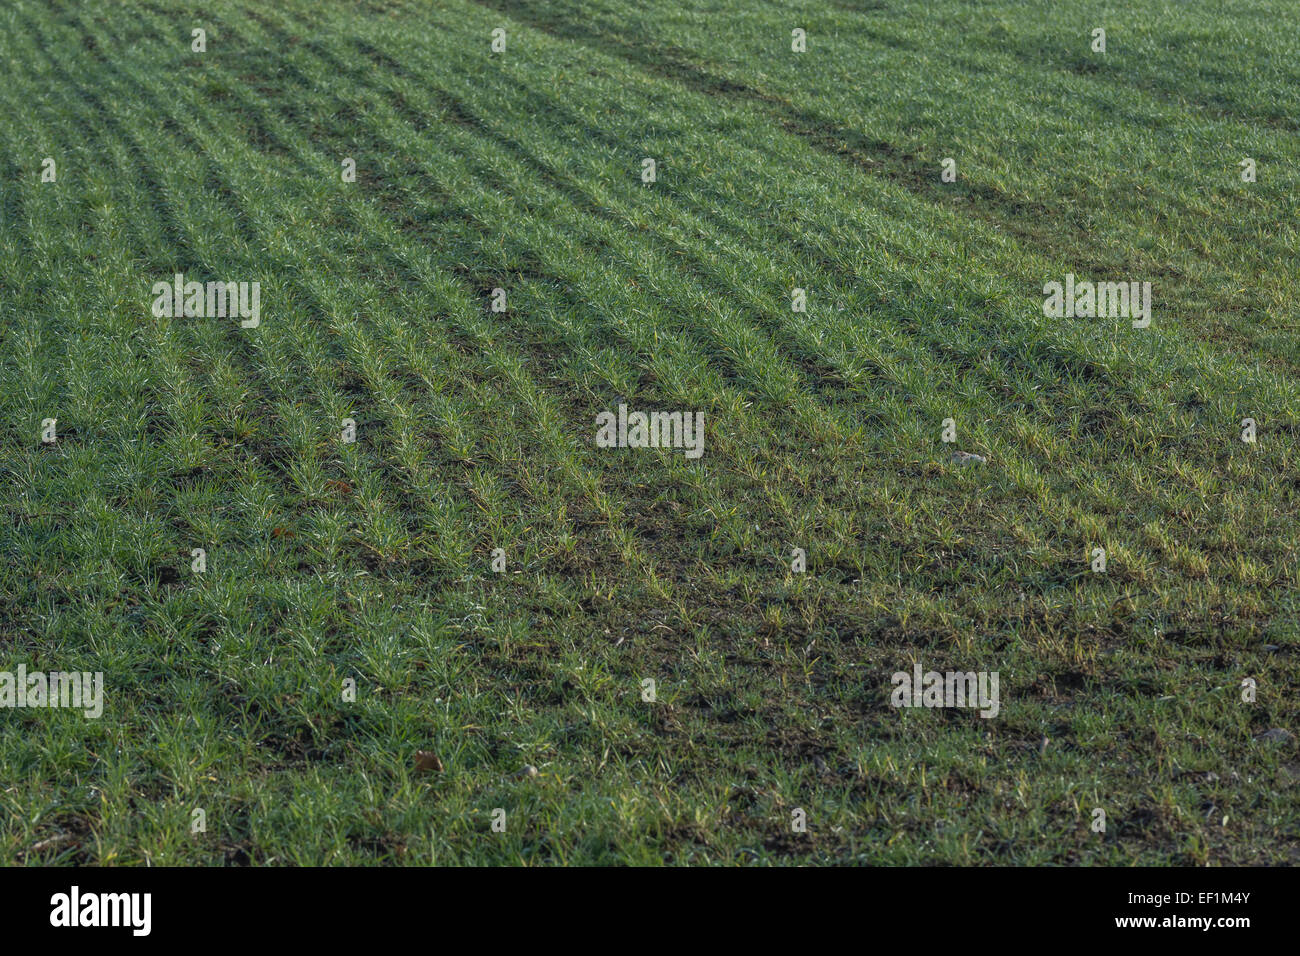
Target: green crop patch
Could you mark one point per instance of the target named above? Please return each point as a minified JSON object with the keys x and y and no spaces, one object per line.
{"x":598,"y":432}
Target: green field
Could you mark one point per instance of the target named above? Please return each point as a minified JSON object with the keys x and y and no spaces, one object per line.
{"x":328,"y":561}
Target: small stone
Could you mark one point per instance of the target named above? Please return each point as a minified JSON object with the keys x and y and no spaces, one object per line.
{"x":1275,"y":735}
{"x":426,"y":760}
{"x":968,"y":458}
{"x":528,"y":771}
